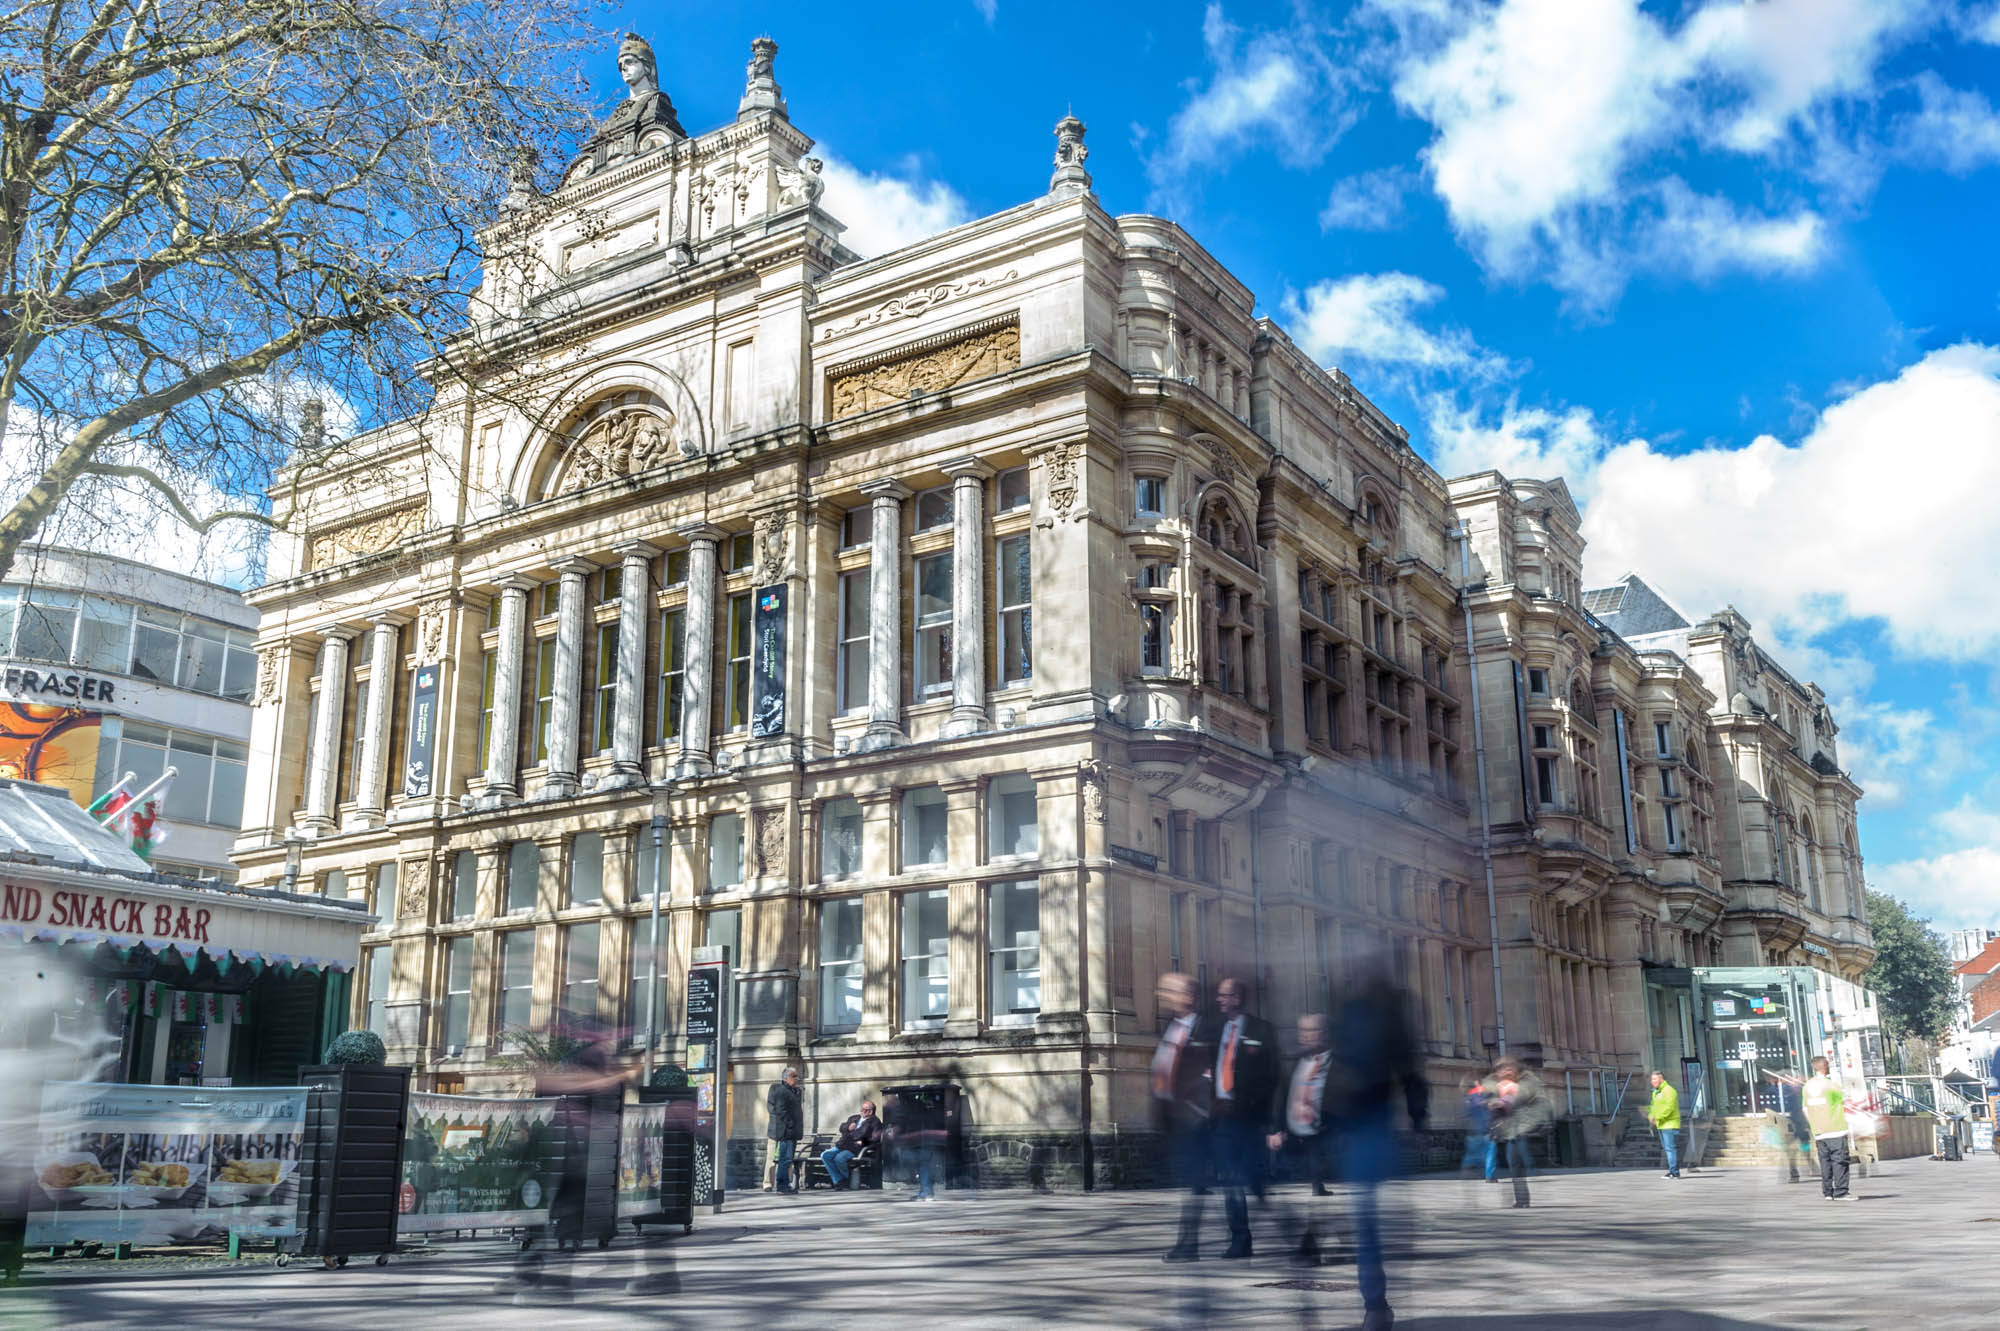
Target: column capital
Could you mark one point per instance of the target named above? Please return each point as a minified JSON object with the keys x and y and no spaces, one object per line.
{"x":388,"y":619}
{"x":575,"y":566}
{"x":969,"y":467}
{"x":701,"y":531}
{"x":636,"y":550}
{"x":516,"y":582}
{"x":880,"y":490}
{"x":345,"y":632}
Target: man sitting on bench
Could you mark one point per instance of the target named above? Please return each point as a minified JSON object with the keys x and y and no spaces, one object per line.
{"x":859,"y":1132}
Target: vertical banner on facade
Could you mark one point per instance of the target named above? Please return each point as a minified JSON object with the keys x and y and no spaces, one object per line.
{"x":422,"y":748}
{"x":1527,"y":749}
{"x":1625,"y":780}
{"x":767,"y":667}
{"x":165,"y":1164}
{"x":475,"y":1163}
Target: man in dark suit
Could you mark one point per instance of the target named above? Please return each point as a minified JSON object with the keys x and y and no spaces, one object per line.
{"x":1246,"y":1081}
{"x":1302,"y":1122}
{"x":1182,"y":1090}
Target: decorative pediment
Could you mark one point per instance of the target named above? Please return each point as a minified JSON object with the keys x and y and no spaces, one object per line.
{"x":626,"y":444}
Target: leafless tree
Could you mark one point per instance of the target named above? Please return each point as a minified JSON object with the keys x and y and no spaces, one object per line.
{"x":214,"y":216}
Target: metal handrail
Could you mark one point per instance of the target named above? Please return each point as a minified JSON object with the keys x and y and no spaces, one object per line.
{"x":1619,"y":1103}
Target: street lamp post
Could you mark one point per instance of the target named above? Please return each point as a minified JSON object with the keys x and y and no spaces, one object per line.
{"x":659,"y":826}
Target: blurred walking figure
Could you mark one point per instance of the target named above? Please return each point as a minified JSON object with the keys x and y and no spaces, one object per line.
{"x":1665,"y":1115}
{"x":786,"y":1124}
{"x":1826,"y":1115}
{"x":1520,"y":1109}
{"x":1374,"y":1064}
{"x":1246,"y":1079}
{"x":1480,"y":1149}
{"x":1182,"y":1087}
{"x":1780,"y":1137}
{"x":1301,"y":1137}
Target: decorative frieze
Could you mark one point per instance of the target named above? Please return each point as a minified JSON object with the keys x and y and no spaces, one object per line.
{"x":368,"y":537}
{"x":920,"y":301}
{"x":931,"y":366}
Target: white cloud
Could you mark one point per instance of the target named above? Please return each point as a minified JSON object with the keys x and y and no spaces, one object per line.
{"x":883,"y":212}
{"x":1959,"y":889}
{"x":1524,"y":441}
{"x":1372,"y":317}
{"x":1986,"y":28}
{"x":1272,"y":88}
{"x":1548,"y":115}
{"x":988,"y":9}
{"x":1953,"y":128}
{"x":1852,"y":522}
{"x":1369,"y":202}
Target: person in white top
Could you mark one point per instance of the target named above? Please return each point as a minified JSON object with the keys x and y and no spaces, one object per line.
{"x":1303,"y":1139}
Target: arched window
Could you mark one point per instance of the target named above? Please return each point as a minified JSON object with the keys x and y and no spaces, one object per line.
{"x":1808,"y":866}
{"x":1223,"y":529}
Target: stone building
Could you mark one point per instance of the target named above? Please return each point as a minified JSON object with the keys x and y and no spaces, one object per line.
{"x":987,"y":626}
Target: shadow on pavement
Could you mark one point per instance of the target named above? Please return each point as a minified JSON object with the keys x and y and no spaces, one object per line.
{"x":1670,"y":1320}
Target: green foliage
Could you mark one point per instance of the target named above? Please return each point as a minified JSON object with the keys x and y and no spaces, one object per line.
{"x":359,"y":1047}
{"x":537,"y":1051}
{"x":668,"y":1077}
{"x":1912,"y":972}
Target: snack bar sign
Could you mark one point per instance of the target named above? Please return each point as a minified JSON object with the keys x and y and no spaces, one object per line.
{"x":69,"y":912}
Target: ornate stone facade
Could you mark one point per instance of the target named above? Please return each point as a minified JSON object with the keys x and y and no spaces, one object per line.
{"x":1132,"y":642}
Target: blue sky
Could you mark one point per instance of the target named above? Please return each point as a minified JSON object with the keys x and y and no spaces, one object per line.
{"x":1729,"y":268}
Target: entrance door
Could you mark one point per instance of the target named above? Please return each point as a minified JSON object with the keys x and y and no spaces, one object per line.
{"x":1750,"y":1057}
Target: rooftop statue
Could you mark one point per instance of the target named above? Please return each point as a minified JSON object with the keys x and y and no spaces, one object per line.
{"x":644,"y":120}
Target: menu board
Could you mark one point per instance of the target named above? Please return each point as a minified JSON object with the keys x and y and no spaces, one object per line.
{"x":165,"y":1164}
{"x":476,"y":1163}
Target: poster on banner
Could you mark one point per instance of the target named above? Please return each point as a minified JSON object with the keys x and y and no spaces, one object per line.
{"x":473,"y":1162}
{"x":159,"y":1165}
{"x":639,"y":1161}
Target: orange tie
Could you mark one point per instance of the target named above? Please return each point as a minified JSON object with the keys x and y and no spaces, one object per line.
{"x":1229,"y":1060}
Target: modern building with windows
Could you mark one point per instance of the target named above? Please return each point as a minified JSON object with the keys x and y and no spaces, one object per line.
{"x":110,"y":666}
{"x":993,"y":624}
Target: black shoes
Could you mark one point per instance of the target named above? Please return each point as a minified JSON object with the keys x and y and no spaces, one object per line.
{"x":1182,"y":1252}
{"x":1238,"y":1249}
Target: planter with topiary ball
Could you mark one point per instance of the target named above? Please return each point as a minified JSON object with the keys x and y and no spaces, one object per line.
{"x":351,"y":1157}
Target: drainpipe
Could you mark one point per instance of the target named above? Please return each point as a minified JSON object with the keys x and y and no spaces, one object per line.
{"x":1485,"y":805}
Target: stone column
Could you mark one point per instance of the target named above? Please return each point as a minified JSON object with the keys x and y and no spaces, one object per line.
{"x":565,"y":710}
{"x":635,"y":586}
{"x":968,"y":601}
{"x":885,"y":611}
{"x":698,"y":680}
{"x":384,"y":636}
{"x":503,"y":749}
{"x":324,"y":760}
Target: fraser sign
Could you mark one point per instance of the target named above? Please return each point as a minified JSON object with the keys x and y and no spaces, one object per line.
{"x":99,"y":912}
{"x":53,"y":688}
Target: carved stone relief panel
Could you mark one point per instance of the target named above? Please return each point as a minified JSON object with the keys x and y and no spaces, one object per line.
{"x":366,"y":537}
{"x":613,"y":446}
{"x":769,"y":841}
{"x":416,"y":889}
{"x":931,"y":366}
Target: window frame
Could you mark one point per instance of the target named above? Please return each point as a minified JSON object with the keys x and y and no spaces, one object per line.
{"x":1015,"y":618}
{"x":934,"y":626}
{"x":996,"y":973}
{"x":851,"y":684}
{"x":934,"y":960}
{"x":836,"y":976}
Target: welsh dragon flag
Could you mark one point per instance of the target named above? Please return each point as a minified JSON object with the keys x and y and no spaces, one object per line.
{"x":135,"y":816}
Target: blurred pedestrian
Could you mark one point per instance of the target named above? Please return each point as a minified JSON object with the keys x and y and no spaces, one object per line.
{"x":1480,"y":1150}
{"x":1182,"y":1091}
{"x":1246,"y":1080}
{"x":1824,"y":1105}
{"x":785,"y":1124}
{"x":1301,"y":1138}
{"x":1664,"y":1113}
{"x":584,"y":1089}
{"x":1520,"y":1109}
{"x":1375,"y":1066}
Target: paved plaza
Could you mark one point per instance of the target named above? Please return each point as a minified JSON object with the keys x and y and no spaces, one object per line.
{"x":1717,"y":1251}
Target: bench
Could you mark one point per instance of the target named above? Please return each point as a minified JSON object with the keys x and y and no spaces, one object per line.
{"x":809,"y":1171}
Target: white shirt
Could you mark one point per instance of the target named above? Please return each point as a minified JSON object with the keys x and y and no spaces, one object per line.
{"x":1169,"y":1051}
{"x":1302,"y":1105}
{"x":1230,"y":1040}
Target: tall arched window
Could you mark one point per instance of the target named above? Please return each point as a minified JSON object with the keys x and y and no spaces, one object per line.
{"x":1808,"y":866}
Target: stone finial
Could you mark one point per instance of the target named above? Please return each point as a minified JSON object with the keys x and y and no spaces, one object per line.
{"x":521,"y":191}
{"x":1070,"y":177}
{"x":760,"y":88}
